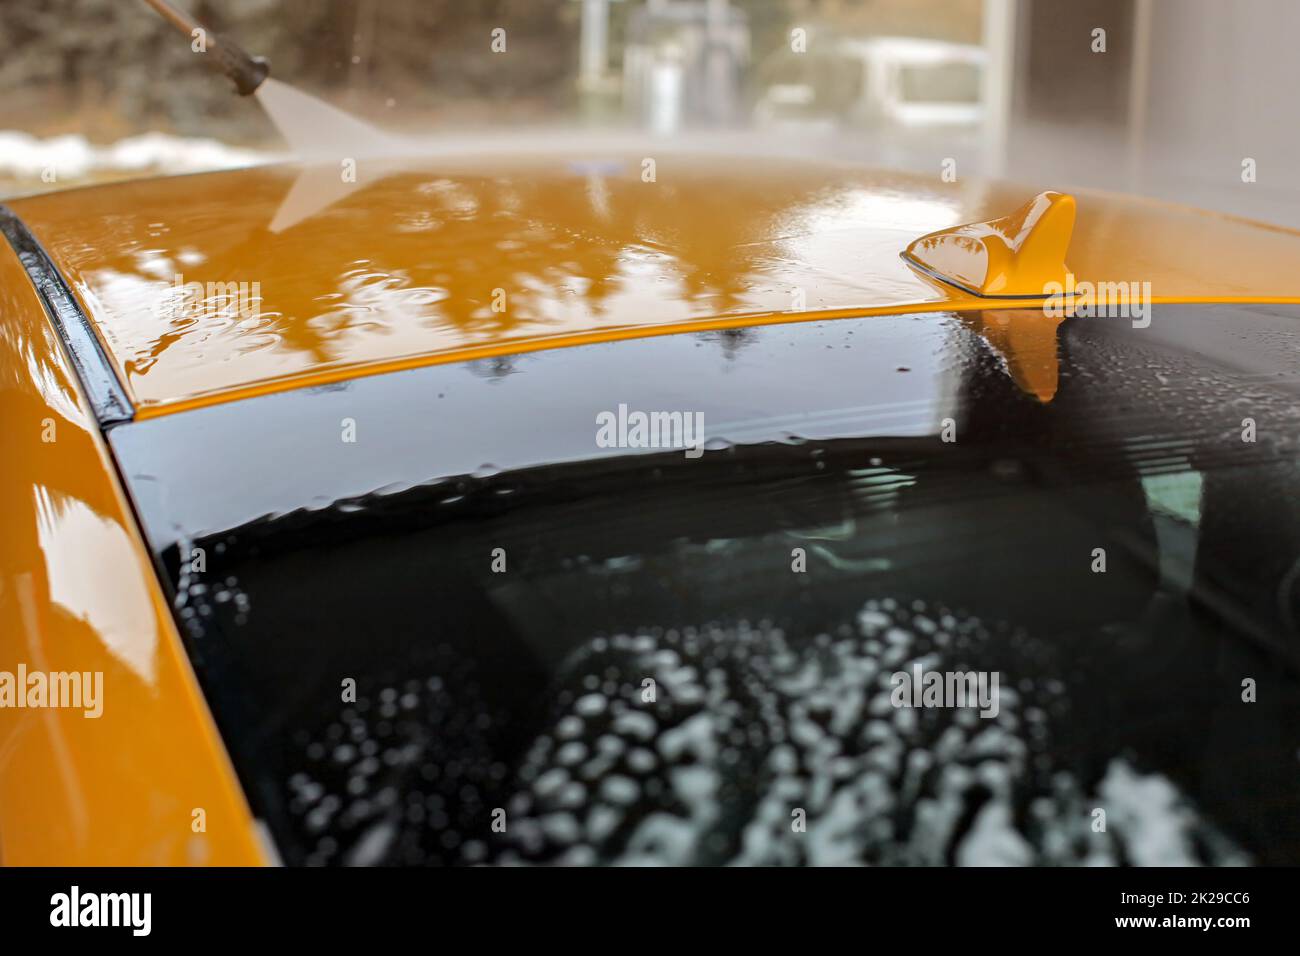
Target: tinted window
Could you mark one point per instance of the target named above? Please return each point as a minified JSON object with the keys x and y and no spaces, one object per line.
{"x":635,"y":654}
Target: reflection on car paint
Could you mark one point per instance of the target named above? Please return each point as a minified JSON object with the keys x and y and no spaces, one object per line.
{"x":467,"y":257}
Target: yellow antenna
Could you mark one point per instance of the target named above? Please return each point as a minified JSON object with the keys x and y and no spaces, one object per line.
{"x":1012,"y":257}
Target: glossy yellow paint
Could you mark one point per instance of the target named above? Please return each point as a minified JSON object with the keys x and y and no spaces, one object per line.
{"x":1016,"y":255}
{"x":432,"y":260}
{"x":78,"y":593}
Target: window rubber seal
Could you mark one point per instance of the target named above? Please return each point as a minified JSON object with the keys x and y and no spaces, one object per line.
{"x":104,"y":390}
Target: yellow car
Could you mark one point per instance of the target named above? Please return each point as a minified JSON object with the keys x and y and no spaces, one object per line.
{"x":588,"y":508}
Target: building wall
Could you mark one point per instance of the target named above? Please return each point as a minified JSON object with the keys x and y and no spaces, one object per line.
{"x":1184,"y":92}
{"x":1223,"y":85}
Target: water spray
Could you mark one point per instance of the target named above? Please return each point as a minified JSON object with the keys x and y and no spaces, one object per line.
{"x":315,"y":131}
{"x":247,"y":72}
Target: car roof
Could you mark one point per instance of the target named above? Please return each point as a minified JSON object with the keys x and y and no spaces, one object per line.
{"x":313,"y":274}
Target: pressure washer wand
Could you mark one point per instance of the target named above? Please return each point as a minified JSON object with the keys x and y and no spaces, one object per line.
{"x":246,"y":71}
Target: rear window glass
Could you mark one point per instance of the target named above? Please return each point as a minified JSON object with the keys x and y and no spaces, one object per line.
{"x":473,"y":613}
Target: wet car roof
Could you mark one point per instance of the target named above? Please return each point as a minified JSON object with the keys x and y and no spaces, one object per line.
{"x":424,"y":260}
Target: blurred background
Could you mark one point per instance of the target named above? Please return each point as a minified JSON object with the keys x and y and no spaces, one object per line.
{"x":1189,"y":100}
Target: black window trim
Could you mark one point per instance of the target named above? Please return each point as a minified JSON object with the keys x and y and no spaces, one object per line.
{"x":105,"y":392}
